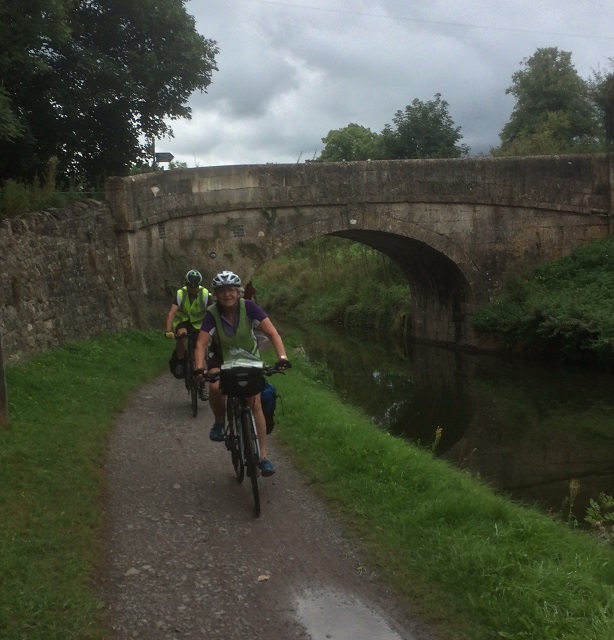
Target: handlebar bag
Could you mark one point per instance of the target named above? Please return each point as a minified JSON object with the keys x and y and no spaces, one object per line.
{"x":242,"y":378}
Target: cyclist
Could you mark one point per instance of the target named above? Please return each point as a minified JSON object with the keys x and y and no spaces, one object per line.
{"x":185,"y":316}
{"x":231,"y":322}
{"x":250,"y":292}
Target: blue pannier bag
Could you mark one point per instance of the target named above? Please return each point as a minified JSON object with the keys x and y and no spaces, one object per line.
{"x":268,"y":398}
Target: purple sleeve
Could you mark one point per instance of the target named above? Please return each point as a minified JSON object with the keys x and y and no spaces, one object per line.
{"x":208,"y":322}
{"x":254,"y":312}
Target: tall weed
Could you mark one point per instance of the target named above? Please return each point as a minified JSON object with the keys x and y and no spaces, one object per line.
{"x":336,"y":281}
{"x":17,"y":198}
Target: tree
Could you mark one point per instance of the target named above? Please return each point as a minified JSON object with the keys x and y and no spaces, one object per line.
{"x":601,"y":88}
{"x":29,"y":32}
{"x":423,"y":130}
{"x":353,"y":142}
{"x":10,"y":129}
{"x":105,"y":79}
{"x":553,"y":111}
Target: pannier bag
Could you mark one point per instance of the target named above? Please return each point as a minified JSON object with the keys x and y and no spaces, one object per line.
{"x":269,"y":402}
{"x":242,"y":378}
{"x":176,"y":366}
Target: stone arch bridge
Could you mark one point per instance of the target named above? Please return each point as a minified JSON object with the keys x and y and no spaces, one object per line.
{"x":453,"y":226}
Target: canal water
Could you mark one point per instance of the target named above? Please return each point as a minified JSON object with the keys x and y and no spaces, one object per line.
{"x":539,"y":434}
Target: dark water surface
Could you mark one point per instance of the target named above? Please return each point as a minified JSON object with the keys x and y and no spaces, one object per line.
{"x":529,"y":430}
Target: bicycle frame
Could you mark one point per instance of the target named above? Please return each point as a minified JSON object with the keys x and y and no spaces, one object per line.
{"x":241,"y":436}
{"x":190,"y":383}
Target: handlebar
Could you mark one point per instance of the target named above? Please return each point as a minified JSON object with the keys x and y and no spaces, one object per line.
{"x":268,"y":370}
{"x":176,"y":336}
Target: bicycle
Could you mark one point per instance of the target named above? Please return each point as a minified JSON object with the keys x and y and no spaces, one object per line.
{"x":238,"y":382}
{"x":194,"y":388}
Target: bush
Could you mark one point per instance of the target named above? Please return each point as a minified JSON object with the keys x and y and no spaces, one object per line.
{"x":562,"y":309}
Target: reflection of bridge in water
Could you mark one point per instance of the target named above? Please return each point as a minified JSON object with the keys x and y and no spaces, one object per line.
{"x":454,"y":227}
{"x":526,"y":429}
{"x":529,"y":429}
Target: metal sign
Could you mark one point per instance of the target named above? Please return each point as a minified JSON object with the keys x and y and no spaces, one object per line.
{"x":164,"y":156}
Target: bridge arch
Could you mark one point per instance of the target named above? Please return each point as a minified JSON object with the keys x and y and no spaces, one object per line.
{"x":440,"y":292}
{"x":454,"y":227}
{"x":438,"y":271}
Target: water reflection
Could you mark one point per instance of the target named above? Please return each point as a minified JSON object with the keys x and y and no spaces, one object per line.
{"x":525,"y":428}
{"x":329,"y":614}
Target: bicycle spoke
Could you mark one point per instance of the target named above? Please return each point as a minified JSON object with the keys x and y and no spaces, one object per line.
{"x":250,"y":440}
{"x":190,"y":383}
{"x":233,"y":438}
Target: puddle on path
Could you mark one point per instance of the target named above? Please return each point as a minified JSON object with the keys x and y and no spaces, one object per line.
{"x":332,"y":616}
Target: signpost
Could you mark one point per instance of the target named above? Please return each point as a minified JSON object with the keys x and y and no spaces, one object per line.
{"x":164,"y":156}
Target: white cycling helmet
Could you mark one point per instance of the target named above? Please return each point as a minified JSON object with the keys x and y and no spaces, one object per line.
{"x":193,"y":277}
{"x":226,"y":279}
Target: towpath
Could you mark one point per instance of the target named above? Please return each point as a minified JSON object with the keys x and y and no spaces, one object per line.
{"x":185,"y":558}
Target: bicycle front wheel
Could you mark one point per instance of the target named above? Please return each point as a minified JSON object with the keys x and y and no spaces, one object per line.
{"x":234,"y":437}
{"x":250,"y":448}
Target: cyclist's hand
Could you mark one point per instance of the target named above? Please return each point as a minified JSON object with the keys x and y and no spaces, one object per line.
{"x":169,"y":334}
{"x":199,"y":374}
{"x":283,"y":364}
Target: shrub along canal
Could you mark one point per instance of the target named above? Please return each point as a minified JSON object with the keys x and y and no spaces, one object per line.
{"x":540,"y":434}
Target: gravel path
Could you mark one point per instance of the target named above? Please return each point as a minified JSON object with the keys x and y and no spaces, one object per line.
{"x":185,"y":557}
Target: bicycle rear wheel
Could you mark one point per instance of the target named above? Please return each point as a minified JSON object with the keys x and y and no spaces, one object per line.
{"x":233,"y":437}
{"x":250,"y":448}
{"x":191,"y":384}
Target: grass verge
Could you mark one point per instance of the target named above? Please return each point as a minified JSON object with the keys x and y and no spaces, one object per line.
{"x":481,"y":566}
{"x":62,"y":407}
{"x":476,"y":563}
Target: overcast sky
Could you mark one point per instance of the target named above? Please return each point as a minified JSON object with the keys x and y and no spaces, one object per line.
{"x":289,"y":72}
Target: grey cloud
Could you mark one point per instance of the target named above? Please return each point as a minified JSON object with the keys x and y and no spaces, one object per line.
{"x":287,"y":75}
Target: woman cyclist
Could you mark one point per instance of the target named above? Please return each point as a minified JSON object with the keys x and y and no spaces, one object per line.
{"x":231,"y":322}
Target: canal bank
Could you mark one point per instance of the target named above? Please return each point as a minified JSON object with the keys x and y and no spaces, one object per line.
{"x":484,"y":565}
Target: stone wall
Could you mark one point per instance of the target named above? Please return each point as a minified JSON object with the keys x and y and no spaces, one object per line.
{"x":60,"y":279}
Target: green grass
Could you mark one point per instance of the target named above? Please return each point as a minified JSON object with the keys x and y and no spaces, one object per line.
{"x":477,"y":565}
{"x":62,"y":407}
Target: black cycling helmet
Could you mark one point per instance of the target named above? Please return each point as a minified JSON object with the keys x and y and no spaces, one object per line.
{"x":226,"y":279}
{"x":193,"y":277}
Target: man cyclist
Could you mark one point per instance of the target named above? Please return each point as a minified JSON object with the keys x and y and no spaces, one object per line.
{"x":185,"y":316}
{"x":228,"y":323}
